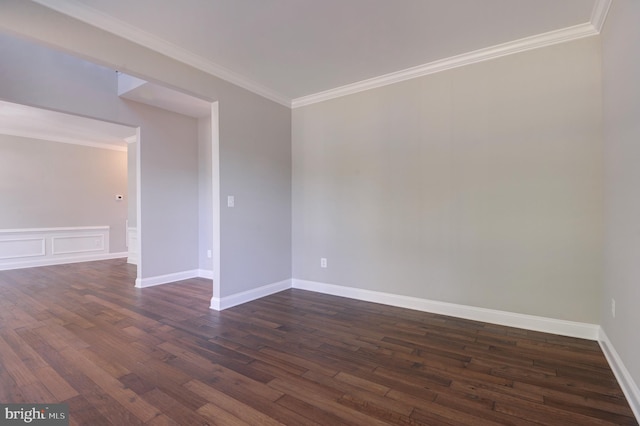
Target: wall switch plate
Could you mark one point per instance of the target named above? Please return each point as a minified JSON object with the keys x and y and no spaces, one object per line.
{"x":323,"y":262}
{"x":209,"y":254}
{"x":231,"y":201}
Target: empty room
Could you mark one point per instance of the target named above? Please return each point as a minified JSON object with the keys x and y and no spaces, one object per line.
{"x":354,"y":212}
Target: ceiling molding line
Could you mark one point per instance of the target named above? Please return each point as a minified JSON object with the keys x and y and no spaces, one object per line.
{"x":60,"y":139}
{"x":119,"y":28}
{"x":517,"y":46}
{"x":599,"y":14}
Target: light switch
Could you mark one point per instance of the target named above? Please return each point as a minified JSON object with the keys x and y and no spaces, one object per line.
{"x":231,"y":202}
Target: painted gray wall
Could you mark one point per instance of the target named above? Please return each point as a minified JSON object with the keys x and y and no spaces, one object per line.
{"x":169,"y":190}
{"x":480,"y":186}
{"x":46,"y":184}
{"x":132,"y":165}
{"x":205,"y":204}
{"x":621,"y":68}
{"x":255,"y":167}
{"x":33,"y":75}
{"x":255,"y":143}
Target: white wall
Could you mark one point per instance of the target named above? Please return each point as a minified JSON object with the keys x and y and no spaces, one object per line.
{"x":255,"y":142}
{"x":621,"y":68}
{"x":46,"y":184}
{"x":479,"y":186}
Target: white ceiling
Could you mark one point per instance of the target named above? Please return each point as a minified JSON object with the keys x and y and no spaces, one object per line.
{"x":290,"y":50}
{"x":26,"y":121}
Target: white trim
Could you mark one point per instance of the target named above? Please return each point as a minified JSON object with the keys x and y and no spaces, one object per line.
{"x":41,"y":252}
{"x":215,"y":200}
{"x":60,"y":229}
{"x":53,"y":246}
{"x":626,"y":382}
{"x":166,"y":279}
{"x":61,"y":139}
{"x":205,"y":273}
{"x":220,"y":304}
{"x":599,"y":14}
{"x":99,"y":246}
{"x":132,"y":258}
{"x":510,"y":319}
{"x":115,"y":26}
{"x":131,"y":139}
{"x":61,"y":261}
{"x":138,"y":242}
{"x":493,"y":52}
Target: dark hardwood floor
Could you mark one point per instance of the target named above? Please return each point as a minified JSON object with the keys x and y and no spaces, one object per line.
{"x":83,"y":335}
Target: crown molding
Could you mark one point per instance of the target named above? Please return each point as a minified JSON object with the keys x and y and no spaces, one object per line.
{"x":77,"y":10}
{"x":61,"y":139}
{"x":599,"y":14}
{"x":119,"y":28}
{"x":493,"y":52}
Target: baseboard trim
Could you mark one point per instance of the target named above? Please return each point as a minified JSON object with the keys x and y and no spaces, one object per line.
{"x":626,"y":382}
{"x":205,"y":273}
{"x":61,"y":260}
{"x":510,"y":319}
{"x":166,"y":279}
{"x":226,"y":302}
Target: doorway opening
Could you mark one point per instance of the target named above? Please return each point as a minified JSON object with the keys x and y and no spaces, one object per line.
{"x":66,"y":192}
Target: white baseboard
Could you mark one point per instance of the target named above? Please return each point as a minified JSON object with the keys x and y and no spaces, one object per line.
{"x":61,"y":260}
{"x":626,"y":382}
{"x":510,"y":319}
{"x":166,"y":279}
{"x":220,"y":304}
{"x":205,"y":273}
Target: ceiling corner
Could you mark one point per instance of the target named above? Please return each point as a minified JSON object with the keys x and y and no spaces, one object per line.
{"x":119,"y":28}
{"x":599,"y":14}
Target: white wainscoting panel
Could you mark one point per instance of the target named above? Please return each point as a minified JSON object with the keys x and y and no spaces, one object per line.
{"x":132,"y":245}
{"x":17,"y":248}
{"x":73,"y":244}
{"x":26,"y":248}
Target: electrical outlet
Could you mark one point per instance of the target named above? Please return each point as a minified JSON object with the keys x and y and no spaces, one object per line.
{"x":613,"y":308}
{"x":323,"y":262}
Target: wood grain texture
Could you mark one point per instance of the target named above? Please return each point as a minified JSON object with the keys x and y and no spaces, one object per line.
{"x":83,"y":335}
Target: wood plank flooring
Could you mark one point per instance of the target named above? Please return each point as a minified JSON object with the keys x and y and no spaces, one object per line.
{"x":83,"y":335}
